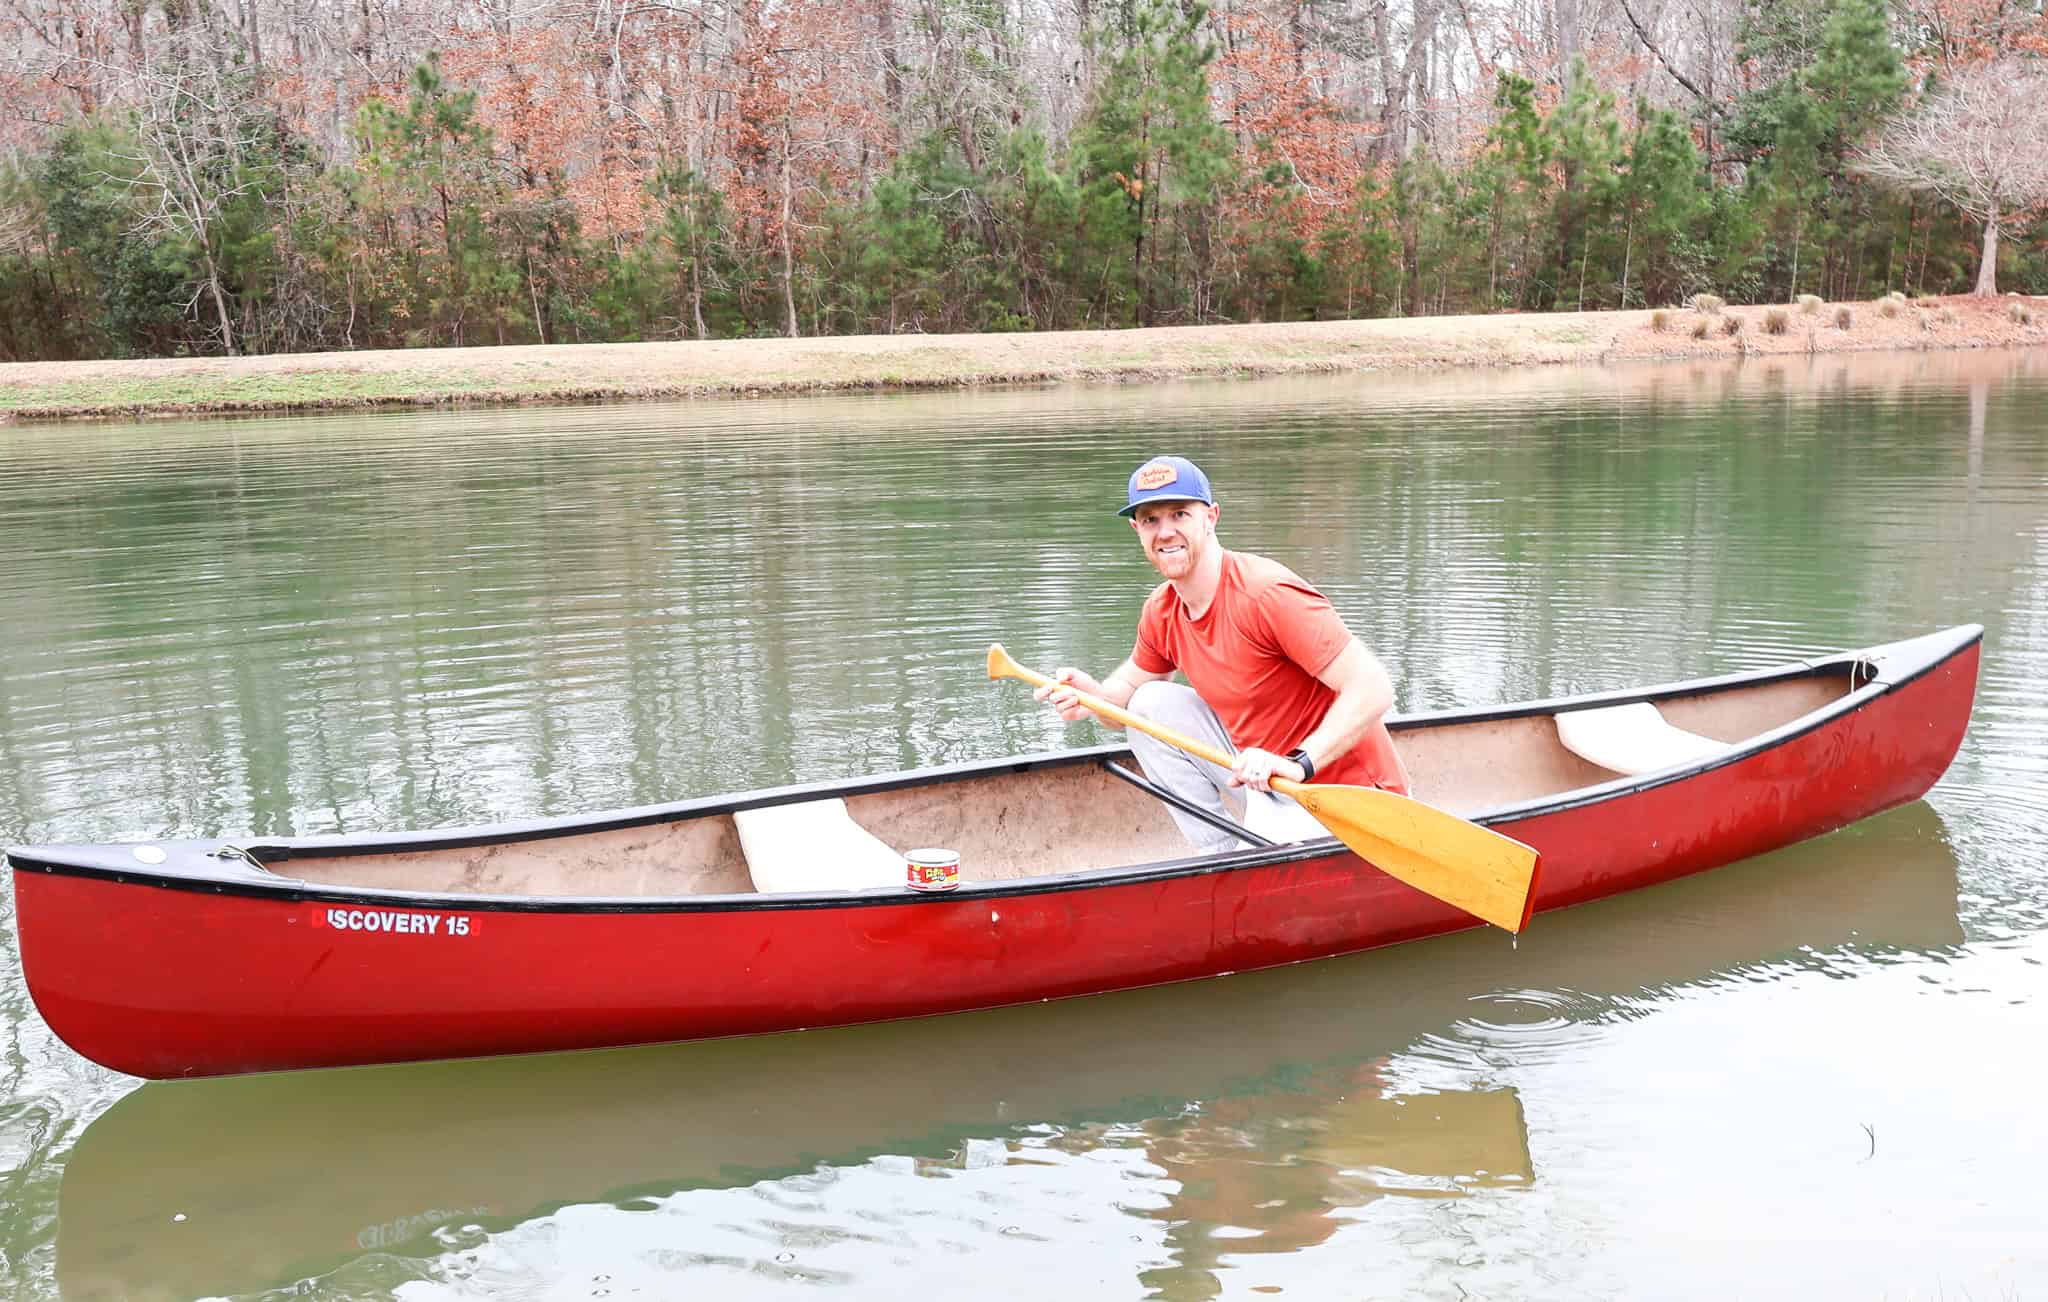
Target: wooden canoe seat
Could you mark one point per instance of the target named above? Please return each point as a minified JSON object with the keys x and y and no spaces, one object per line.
{"x":814,"y":846}
{"x":1633,"y":738}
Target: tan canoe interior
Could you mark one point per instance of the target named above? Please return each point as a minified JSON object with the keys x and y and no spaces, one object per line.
{"x":1041,"y":822}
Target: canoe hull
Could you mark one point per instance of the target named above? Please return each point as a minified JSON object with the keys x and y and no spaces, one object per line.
{"x":164,"y":980}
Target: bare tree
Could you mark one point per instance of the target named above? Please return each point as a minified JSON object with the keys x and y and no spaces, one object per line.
{"x":196,"y":121}
{"x":1979,"y":141}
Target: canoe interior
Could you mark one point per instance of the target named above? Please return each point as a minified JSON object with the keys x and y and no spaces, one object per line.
{"x":1042,"y":821}
{"x":1034,"y":823}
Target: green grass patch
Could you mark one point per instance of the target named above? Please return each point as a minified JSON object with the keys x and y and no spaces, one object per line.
{"x":115,"y":395}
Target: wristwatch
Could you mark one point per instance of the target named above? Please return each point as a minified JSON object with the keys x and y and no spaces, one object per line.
{"x":1308,"y":766}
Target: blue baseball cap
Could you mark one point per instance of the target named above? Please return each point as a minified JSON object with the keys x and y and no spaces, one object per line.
{"x":1167,"y":479}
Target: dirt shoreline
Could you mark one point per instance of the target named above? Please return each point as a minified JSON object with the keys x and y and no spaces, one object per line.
{"x":54,"y":391}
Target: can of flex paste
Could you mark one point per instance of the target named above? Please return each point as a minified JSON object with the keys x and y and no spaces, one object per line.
{"x":932,"y":870}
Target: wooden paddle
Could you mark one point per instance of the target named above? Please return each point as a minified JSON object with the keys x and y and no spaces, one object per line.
{"x":1490,"y":876}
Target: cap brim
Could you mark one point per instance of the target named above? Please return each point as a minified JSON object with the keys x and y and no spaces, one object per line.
{"x":1163,"y":497}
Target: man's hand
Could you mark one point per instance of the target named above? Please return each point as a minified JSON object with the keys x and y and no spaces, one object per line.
{"x":1257,"y":768}
{"x":1062,"y":693}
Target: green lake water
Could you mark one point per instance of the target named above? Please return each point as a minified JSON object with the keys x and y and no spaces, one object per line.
{"x":1813,"y":1074}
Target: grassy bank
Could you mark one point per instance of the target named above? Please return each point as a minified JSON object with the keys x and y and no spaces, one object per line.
{"x":593,"y":372}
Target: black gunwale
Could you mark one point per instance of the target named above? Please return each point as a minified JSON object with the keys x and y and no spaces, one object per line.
{"x":1929,"y":653}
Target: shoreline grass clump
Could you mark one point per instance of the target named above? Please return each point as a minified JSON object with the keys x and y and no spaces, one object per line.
{"x":1777,"y":320}
{"x":1660,"y":320}
{"x":1947,"y":315}
{"x":1708,"y":304}
{"x":1845,"y":318}
{"x":1731,"y":325}
{"x":2020,"y":313}
{"x":1890,"y":307}
{"x":1809,"y":304}
{"x":1702,"y":326}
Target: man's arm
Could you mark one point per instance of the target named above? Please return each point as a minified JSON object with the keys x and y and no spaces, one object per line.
{"x":1364,"y":695}
{"x":1060,"y":694}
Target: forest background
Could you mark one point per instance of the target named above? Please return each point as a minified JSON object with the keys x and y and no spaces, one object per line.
{"x":237,"y":176}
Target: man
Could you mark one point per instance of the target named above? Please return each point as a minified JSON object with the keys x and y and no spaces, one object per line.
{"x":1275,"y":679}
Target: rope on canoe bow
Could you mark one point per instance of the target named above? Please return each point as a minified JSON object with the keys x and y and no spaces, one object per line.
{"x":227,"y":851}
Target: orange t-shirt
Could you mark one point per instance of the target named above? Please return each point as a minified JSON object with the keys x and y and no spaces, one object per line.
{"x":1254,"y":656}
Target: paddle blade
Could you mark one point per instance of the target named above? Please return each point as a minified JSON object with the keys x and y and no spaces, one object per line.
{"x":1490,"y":876}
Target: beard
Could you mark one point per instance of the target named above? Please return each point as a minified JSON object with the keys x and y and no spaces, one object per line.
{"x":1177,"y":565}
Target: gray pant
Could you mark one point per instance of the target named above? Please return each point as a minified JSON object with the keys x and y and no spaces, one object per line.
{"x":1272,"y":816}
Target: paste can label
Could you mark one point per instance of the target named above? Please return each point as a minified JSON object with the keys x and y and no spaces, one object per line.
{"x":932,"y":870}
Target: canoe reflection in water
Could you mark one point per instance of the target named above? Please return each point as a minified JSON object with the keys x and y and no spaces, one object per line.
{"x":1275,"y":1103}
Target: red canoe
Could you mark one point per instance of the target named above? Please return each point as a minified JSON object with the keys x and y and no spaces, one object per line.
{"x":783,"y":909}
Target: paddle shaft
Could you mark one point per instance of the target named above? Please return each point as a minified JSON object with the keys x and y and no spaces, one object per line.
{"x":1471,"y":867}
{"x":1179,"y":740}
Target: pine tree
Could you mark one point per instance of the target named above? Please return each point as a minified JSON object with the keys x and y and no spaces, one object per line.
{"x":427,"y":188}
{"x":1035,"y":235}
{"x":1150,"y":158}
{"x":910,"y":264}
{"x":1844,"y":77}
{"x":1663,"y":202}
{"x":1514,"y":175}
{"x":1585,"y":149}
{"x":133,"y":284}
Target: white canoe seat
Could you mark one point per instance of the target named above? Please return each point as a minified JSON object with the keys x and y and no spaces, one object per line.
{"x":814,"y":846}
{"x":1633,"y":738}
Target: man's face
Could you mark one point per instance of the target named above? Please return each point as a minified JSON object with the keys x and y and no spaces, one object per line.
{"x":1175,"y":534}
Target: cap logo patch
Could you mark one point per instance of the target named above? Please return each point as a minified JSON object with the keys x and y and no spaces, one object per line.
{"x":1156,"y":475}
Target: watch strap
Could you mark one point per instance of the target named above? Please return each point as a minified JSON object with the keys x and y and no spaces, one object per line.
{"x":1308,"y":766}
